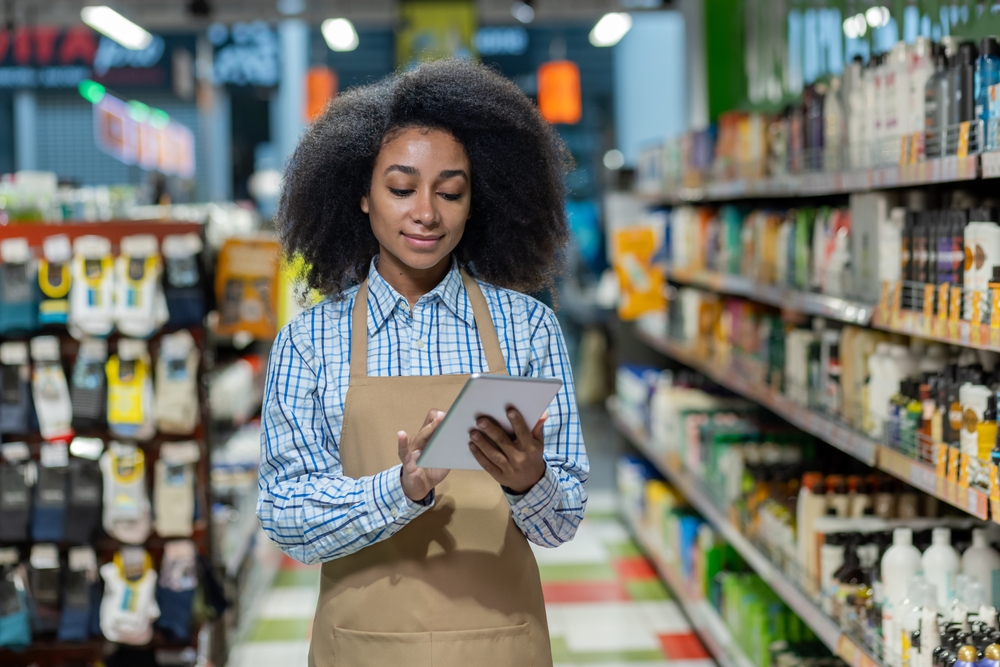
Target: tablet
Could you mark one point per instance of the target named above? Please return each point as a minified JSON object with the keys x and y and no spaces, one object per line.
{"x":489,"y":396}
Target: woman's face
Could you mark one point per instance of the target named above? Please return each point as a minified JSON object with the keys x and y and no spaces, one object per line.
{"x":420,"y":197}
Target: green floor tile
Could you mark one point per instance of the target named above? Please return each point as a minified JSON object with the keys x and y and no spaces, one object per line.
{"x":561,"y":653}
{"x":578,"y":572}
{"x":296,"y":578}
{"x":598,"y":515}
{"x":623,"y":549}
{"x":280,"y":629}
{"x":647,"y":590}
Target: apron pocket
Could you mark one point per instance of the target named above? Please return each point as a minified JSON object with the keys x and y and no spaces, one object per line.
{"x":354,"y":648}
{"x":498,"y":647}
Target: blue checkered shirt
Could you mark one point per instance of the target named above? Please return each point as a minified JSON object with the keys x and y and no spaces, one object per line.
{"x":309,"y":507}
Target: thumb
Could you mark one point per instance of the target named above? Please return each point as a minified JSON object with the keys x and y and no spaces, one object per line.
{"x":536,"y":432}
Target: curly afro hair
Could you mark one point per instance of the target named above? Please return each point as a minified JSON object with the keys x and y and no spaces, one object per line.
{"x":517,"y":227}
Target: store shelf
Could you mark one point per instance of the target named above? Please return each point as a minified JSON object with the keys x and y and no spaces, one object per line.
{"x":705,"y":620}
{"x":858,"y":445}
{"x":938,"y":170}
{"x":826,"y":628}
{"x":822,"y":305}
{"x":959,"y":332}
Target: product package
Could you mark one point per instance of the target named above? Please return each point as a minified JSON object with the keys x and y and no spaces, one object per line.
{"x":88,"y":385}
{"x":140,"y":305}
{"x":183,"y":283}
{"x":85,"y":489}
{"x":50,"y":390}
{"x":17,"y":414}
{"x":131,"y":402}
{"x":18,"y":295}
{"x":54,"y":279}
{"x":49,"y":508}
{"x":129,"y":605}
{"x":175,"y":595}
{"x":246,"y":287}
{"x":15,"y":623}
{"x":79,"y":582}
{"x":126,"y":516}
{"x":92,"y":290}
{"x":17,"y":476}
{"x":177,"y":384}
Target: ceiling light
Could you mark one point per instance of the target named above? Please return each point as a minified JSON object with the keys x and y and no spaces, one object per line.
{"x":340,"y":34}
{"x":614,"y":159}
{"x":877,"y":17}
{"x":610,"y":29}
{"x":113,"y":25}
{"x":523,"y":12}
{"x":850,"y":30}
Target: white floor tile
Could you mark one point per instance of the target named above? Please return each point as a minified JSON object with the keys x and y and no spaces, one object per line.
{"x":268,"y":654}
{"x":604,"y":501}
{"x":663,"y":616}
{"x":606,"y":626}
{"x":289,"y":602}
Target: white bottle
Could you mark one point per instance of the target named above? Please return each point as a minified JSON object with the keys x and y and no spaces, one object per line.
{"x":941,"y":564}
{"x":982,"y":562}
{"x":900,"y":565}
{"x":921,"y":69}
{"x":922,"y":595}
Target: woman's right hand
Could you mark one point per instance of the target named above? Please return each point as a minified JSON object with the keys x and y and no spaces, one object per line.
{"x":418,"y":482}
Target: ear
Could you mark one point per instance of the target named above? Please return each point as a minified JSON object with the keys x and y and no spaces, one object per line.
{"x":364,"y":203}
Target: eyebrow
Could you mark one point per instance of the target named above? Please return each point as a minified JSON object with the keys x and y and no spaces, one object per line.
{"x":413,"y":171}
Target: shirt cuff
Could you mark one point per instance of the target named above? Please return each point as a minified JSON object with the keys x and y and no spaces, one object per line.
{"x":396,"y":505}
{"x":539,"y":499}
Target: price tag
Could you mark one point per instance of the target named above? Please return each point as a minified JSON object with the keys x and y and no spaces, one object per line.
{"x":915,"y":148}
{"x":995,"y":309}
{"x":963,"y":140}
{"x":928,"y":307}
{"x":904,"y":148}
{"x":941,"y":454}
{"x":994,"y":492}
{"x":963,"y":473}
{"x":953,"y":457}
{"x":955,"y":312}
{"x":897,"y":304}
{"x":883,"y":302}
{"x":942,"y":309}
{"x":977,"y":312}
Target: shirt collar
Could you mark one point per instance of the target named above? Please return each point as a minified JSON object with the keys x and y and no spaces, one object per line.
{"x":383,"y":299}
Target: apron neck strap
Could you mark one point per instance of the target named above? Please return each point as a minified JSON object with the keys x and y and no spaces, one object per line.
{"x":480,"y":310}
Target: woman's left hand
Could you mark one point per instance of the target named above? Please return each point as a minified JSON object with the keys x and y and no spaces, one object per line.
{"x":514,"y":461}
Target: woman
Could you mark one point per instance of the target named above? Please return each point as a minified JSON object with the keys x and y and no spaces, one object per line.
{"x":439,"y":191}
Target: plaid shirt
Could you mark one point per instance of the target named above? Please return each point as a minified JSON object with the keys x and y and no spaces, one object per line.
{"x":306,"y":503}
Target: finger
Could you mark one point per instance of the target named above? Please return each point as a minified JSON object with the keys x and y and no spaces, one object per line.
{"x":521,"y":431}
{"x":492,"y":430}
{"x":425,"y":433}
{"x":539,"y":429}
{"x":431,"y":416}
{"x":484,"y":461}
{"x":492,"y":452}
{"x":404,"y":445}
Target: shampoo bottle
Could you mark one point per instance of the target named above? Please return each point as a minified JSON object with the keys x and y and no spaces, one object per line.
{"x":900,"y":565}
{"x":941,"y":565}
{"x":982,"y":562}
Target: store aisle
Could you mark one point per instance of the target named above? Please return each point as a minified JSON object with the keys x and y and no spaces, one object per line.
{"x":606,"y":606}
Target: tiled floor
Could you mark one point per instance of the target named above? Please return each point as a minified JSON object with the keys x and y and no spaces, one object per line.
{"x":605,"y":605}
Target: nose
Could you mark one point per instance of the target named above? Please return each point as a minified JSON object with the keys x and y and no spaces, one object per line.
{"x":424,"y":210}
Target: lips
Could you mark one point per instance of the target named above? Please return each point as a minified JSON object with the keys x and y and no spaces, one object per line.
{"x":422,"y":241}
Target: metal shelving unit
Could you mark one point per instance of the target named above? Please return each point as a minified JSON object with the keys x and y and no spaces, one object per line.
{"x":858,"y":445}
{"x":810,"y":303}
{"x":825,"y":628}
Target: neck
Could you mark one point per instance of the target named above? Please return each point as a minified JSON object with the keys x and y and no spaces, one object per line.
{"x":410,"y":282}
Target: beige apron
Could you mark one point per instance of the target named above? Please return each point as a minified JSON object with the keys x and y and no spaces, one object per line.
{"x":458,"y":586}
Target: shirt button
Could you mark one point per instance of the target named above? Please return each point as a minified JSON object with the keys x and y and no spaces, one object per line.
{"x":394,"y":514}
{"x":350,"y":530}
{"x":419,"y":343}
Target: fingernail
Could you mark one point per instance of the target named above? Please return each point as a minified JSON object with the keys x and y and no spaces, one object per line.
{"x":475,"y":435}
{"x":511,"y":413}
{"x":482,"y":423}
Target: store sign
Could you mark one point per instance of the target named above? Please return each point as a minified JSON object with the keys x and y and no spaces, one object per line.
{"x":246,"y":54}
{"x":559,"y":92}
{"x":129,"y":132}
{"x":505,"y":41}
{"x":51,"y":57}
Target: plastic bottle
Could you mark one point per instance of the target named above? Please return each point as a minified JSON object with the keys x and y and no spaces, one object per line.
{"x":982,"y":562}
{"x":834,"y":126}
{"x":941,"y":564}
{"x":900,"y":565}
{"x":921,"y":595}
{"x":987,"y":74}
{"x":974,"y":400}
{"x":963,"y":71}
{"x":987,"y":428}
{"x":920,"y":66}
{"x":938,"y":103}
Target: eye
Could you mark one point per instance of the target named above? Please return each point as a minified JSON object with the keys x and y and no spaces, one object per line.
{"x":400,"y":193}
{"x":450,"y":197}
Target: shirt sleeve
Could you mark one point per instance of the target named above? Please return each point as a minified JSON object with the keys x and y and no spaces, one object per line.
{"x":550,"y":512}
{"x":306,"y":504}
